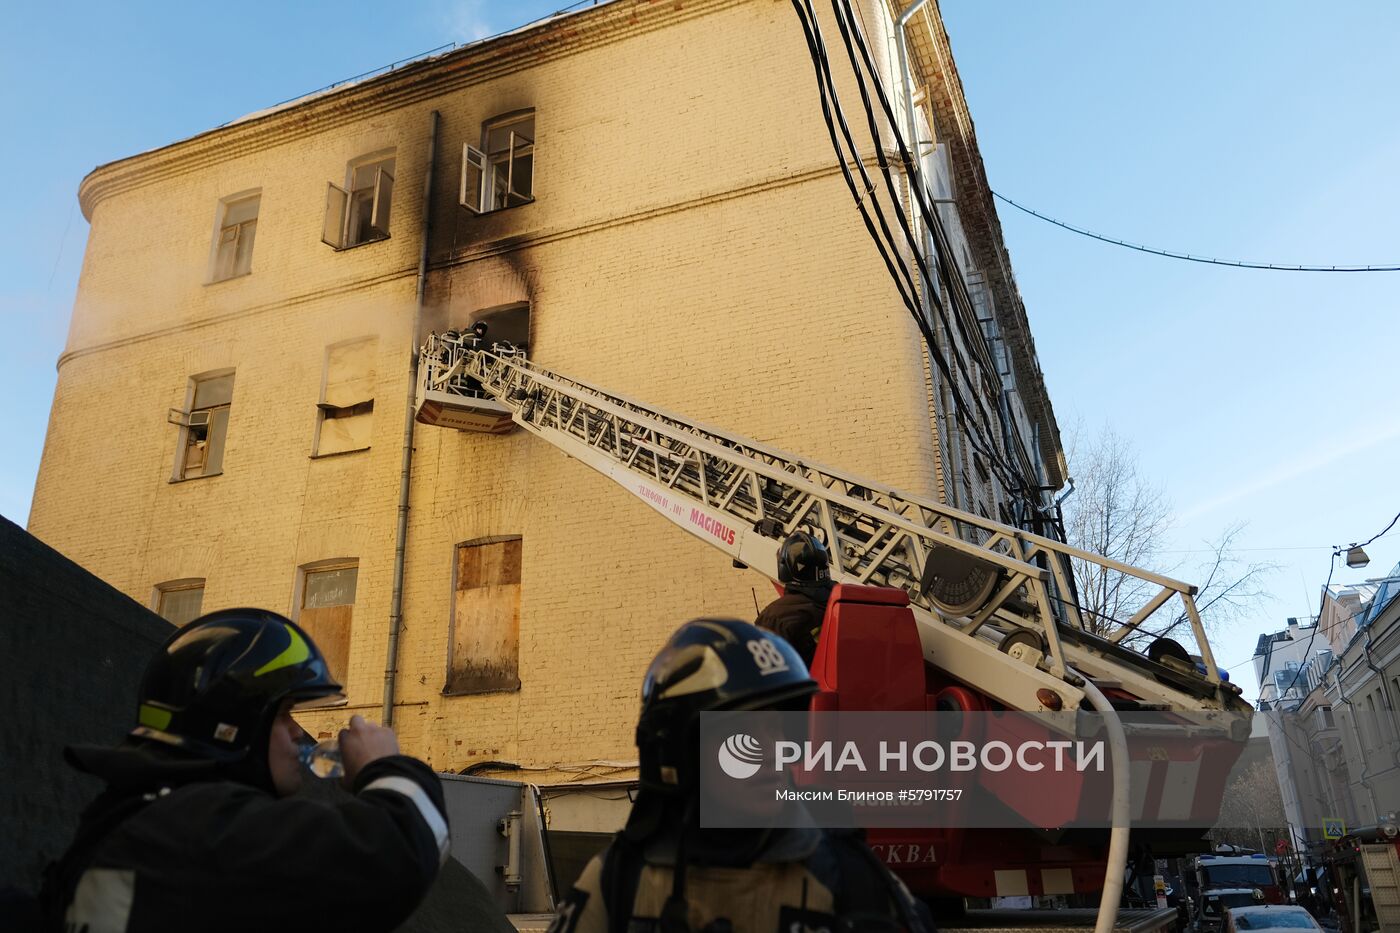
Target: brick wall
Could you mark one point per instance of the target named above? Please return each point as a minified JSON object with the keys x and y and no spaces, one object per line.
{"x":691,"y":245}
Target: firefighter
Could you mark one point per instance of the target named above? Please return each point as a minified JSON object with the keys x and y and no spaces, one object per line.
{"x":665,"y":873}
{"x":196,"y":828}
{"x":804,"y":570}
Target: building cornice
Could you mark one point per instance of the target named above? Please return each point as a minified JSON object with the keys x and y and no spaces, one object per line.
{"x":554,"y":38}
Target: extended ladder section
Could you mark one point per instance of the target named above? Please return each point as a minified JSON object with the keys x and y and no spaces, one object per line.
{"x":993,"y":601}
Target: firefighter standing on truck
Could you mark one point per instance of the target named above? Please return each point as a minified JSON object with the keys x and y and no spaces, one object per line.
{"x":196,"y":829}
{"x":804,"y":570}
{"x":665,"y":873}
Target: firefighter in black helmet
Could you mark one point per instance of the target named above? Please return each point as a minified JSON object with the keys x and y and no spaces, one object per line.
{"x":804,"y":570}
{"x":197,"y":828}
{"x":665,"y":874}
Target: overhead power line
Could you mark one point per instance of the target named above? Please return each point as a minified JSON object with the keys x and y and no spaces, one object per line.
{"x":1191,"y":257}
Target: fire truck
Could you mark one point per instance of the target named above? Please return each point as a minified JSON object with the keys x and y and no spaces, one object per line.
{"x":1250,"y":871}
{"x":935,"y":609}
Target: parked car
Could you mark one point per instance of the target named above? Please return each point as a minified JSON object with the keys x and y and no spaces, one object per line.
{"x":1269,"y":917}
{"x":1214,"y":902}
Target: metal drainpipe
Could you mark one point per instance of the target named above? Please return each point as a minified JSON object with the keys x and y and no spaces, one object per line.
{"x":391,"y":661}
{"x":1385,"y":688}
{"x":951,"y":484}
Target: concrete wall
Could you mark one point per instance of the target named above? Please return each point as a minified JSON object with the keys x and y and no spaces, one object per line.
{"x":72,"y":650}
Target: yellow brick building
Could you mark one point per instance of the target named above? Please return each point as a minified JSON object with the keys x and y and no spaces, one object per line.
{"x":662,"y":215}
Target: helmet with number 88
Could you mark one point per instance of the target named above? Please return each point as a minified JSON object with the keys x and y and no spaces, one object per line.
{"x":710,"y":665}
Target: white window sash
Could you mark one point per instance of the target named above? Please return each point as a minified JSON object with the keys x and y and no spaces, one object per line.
{"x":473,"y":194}
{"x":383,"y":197}
{"x":333,"y":232}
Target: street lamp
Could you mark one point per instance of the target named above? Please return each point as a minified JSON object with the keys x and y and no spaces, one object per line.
{"x":1356,"y":557}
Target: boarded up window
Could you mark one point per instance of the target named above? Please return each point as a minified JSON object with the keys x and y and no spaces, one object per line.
{"x":484,"y":649}
{"x":179,"y":603}
{"x":347,"y":402}
{"x":327,"y":604}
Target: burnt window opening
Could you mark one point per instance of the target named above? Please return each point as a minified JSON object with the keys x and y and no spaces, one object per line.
{"x":506,"y":325}
{"x":203,"y":428}
{"x":501,"y":173}
{"x":359,"y":212}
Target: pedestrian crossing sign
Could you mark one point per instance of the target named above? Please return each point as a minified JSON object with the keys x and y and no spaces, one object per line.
{"x":1333,"y":828}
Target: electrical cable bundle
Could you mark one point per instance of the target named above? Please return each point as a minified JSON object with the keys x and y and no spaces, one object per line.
{"x":881,"y":233}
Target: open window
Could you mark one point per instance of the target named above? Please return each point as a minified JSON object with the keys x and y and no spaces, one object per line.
{"x":235,"y":227}
{"x":326,"y":608}
{"x":345,"y":414}
{"x":483,"y":653}
{"x":180,"y":601}
{"x":510,"y":324}
{"x":501,"y":173}
{"x":359,"y":212}
{"x":204,"y":427}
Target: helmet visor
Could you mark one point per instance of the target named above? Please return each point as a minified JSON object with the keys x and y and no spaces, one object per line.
{"x":316,"y":700}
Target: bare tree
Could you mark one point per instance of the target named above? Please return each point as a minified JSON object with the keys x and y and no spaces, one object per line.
{"x":1117,"y":512}
{"x":1251,"y":812}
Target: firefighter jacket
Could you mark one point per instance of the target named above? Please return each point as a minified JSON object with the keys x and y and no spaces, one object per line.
{"x":797,"y":616}
{"x":804,"y":881}
{"x":173,"y":846}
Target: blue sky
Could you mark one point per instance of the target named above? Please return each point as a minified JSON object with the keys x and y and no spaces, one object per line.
{"x":1258,"y":130}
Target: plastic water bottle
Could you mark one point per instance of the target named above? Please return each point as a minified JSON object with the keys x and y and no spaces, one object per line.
{"x":323,"y":759}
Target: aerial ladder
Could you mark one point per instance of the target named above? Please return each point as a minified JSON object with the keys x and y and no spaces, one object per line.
{"x":993,"y":615}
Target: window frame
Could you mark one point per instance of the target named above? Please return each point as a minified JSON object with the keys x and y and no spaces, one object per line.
{"x":323,"y":410}
{"x":484,"y":163}
{"x":452,"y":618}
{"x":381,"y":201}
{"x":226,"y":204}
{"x":185,"y":419}
{"x":299,"y":596}
{"x":184,"y":584}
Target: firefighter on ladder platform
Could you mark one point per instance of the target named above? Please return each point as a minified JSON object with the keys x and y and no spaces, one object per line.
{"x":804,"y":570}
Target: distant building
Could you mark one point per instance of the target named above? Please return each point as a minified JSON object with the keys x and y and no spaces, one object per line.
{"x":1329,"y":694}
{"x":1342,"y":607}
{"x":1363,"y":686}
{"x":1289,"y":665}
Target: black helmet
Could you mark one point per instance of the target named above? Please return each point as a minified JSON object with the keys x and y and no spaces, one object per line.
{"x":216,"y":686}
{"x":803,"y":559}
{"x":709,"y":664}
